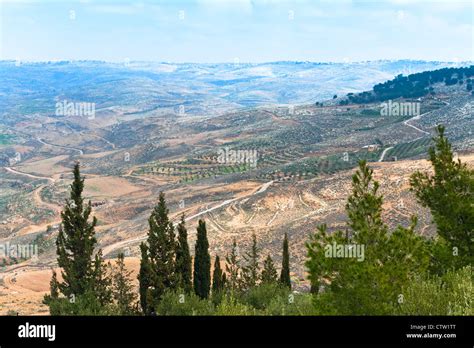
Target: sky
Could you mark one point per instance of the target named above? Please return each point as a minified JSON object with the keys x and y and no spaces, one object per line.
{"x":213,"y":31}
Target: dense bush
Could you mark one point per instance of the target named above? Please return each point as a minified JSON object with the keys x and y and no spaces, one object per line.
{"x":451,"y":294}
{"x":260,"y":297}
{"x":178,"y":303}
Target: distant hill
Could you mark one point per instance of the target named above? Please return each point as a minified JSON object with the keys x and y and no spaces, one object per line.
{"x":142,"y":88}
{"x":414,"y":85}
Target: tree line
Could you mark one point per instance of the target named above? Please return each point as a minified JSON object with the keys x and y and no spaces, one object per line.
{"x":89,"y":286}
{"x":413,"y":86}
{"x":401,"y":271}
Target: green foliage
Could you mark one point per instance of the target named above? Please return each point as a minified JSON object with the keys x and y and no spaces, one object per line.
{"x":86,"y":285}
{"x":412,"y":86}
{"x":158,"y":258}
{"x":259,"y":297}
{"x":76,"y":241}
{"x":449,"y":195}
{"x":291,"y":304}
{"x":202,"y":263}
{"x":371,"y":282}
{"x":122,"y":289}
{"x":145,"y":280}
{"x":250,"y":272}
{"x":269,"y":273}
{"x":233,"y":269}
{"x":218,"y":279}
{"x":285,"y":265}
{"x":53,"y":293}
{"x":450,"y":294}
{"x":101,"y":283}
{"x":231,"y":306}
{"x":85,"y":304}
{"x":183,"y":258}
{"x":178,"y":302}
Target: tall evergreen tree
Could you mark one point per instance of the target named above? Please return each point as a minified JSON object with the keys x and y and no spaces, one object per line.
{"x":101,"y":288}
{"x":269,"y":272}
{"x":53,"y":295}
{"x":159,"y":262}
{"x":217,"y":276}
{"x":233,"y":268}
{"x":183,"y":258}
{"x":145,"y":280}
{"x":76,"y":241}
{"x":122,"y":288}
{"x":285,"y":265}
{"x":202,"y":263}
{"x":448,"y":193}
{"x":250,"y":272}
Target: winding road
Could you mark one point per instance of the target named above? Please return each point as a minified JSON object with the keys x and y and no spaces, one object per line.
{"x":109,"y":248}
{"x":60,"y":146}
{"x":407,"y":123}
{"x":15,"y":171}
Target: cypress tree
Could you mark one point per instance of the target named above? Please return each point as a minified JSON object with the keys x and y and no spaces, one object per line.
{"x":285,"y":266}
{"x":158,"y":258}
{"x":76,"y":241}
{"x":269,"y":272}
{"x":202,"y":263}
{"x":101,"y":288}
{"x":233,"y":268}
{"x":183,"y":258}
{"x":53,"y":295}
{"x":144,"y":279}
{"x":53,"y":286}
{"x":218,"y":277}
{"x":250,"y":272}
{"x":123,"y":293}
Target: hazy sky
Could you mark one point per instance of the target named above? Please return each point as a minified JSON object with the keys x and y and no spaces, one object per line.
{"x":243,"y":30}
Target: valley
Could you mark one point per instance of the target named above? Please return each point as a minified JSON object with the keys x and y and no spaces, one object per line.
{"x":306,"y":154}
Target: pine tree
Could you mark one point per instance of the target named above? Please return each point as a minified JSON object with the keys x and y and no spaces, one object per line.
{"x":364,"y":207}
{"x":202,"y":263}
{"x":123,"y":293}
{"x":269,"y":273}
{"x":353,"y":287}
{"x":250,"y":272}
{"x":145,"y":280}
{"x":233,"y":268}
{"x":183,"y":258}
{"x":218,"y":277}
{"x":76,"y":241}
{"x":448,"y":193}
{"x":285,"y":266}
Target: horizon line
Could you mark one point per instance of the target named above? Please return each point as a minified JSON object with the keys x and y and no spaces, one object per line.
{"x":127,"y":61}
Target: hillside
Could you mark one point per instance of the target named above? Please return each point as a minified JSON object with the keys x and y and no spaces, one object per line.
{"x":299,"y":177}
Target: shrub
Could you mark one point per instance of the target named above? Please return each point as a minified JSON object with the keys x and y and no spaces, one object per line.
{"x":179,"y":303}
{"x":451,"y":294}
{"x":259,"y":297}
{"x":230,"y":306}
{"x":292,"y":304}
